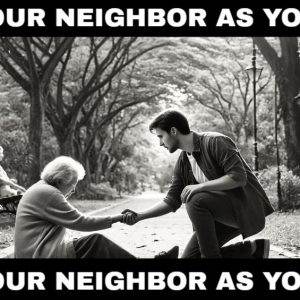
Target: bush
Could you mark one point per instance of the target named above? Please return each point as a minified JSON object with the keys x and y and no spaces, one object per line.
{"x":102,"y":191}
{"x":290,"y":187}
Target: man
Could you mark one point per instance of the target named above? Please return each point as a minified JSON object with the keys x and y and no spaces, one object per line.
{"x":8,"y":187}
{"x":223,"y":197}
{"x":44,"y":214}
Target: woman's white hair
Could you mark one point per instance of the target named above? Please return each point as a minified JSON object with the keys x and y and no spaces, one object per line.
{"x":62,"y":171}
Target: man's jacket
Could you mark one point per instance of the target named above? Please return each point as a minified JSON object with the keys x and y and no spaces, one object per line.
{"x":217,"y":155}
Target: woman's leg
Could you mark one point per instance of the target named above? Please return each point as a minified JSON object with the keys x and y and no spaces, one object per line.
{"x":98,"y":246}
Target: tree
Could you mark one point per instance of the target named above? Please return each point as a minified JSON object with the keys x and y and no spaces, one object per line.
{"x":211,"y":72}
{"x":31,"y":62}
{"x":83,"y":83}
{"x":285,"y":63}
{"x":14,"y":123}
{"x":69,"y":96}
{"x":222,"y":85}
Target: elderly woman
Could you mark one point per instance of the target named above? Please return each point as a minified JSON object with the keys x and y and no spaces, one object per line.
{"x":44,"y":214}
{"x":7,"y":185}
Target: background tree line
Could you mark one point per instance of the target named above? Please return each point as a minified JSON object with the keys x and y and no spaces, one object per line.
{"x":91,"y":98}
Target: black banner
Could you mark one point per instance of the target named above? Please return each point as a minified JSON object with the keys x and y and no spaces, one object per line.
{"x":62,"y":277}
{"x":153,"y":19}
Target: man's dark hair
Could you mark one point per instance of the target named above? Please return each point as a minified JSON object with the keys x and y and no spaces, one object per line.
{"x":169,"y":119}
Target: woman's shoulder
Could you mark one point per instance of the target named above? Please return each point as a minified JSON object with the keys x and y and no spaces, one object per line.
{"x":41,"y":188}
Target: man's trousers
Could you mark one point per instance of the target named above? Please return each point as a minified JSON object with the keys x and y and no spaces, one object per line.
{"x":214,"y":224}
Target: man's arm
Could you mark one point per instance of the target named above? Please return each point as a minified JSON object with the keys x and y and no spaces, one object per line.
{"x":226,"y":154}
{"x":221,"y":184}
{"x":170,"y":204}
{"x":159,"y":209}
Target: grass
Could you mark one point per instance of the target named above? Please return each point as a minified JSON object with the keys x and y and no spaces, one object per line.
{"x":283,"y":229}
{"x":6,"y":236}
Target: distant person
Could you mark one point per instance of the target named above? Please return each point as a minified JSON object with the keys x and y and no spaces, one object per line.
{"x":44,"y":213}
{"x":223,"y":197}
{"x":8,"y":186}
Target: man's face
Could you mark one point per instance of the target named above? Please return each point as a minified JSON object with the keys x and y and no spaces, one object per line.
{"x":167,"y":140}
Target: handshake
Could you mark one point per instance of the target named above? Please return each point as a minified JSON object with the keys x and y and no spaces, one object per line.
{"x":129,"y":217}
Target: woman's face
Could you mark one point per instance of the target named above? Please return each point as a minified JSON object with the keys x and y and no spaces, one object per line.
{"x":70,"y":188}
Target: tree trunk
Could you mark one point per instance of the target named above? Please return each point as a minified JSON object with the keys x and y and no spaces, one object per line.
{"x":66,"y":143}
{"x":287,"y":70}
{"x":291,"y":120}
{"x":35,"y":134}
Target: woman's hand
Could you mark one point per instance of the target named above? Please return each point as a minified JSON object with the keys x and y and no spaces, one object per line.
{"x":117,"y":218}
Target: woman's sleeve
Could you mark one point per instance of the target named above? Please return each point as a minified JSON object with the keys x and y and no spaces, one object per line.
{"x":59,"y":211}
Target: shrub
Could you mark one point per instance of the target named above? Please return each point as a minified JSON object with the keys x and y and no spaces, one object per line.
{"x":290,"y":187}
{"x":102,"y":191}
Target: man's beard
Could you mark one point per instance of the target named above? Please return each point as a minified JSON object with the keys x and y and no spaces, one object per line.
{"x":174,"y":147}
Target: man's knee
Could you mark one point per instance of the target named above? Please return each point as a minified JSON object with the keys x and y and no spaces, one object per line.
{"x":198,"y":201}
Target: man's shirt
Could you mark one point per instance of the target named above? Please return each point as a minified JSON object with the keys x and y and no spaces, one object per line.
{"x":198,"y":174}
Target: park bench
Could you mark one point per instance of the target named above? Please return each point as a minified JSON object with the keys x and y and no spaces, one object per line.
{"x":9,"y":204}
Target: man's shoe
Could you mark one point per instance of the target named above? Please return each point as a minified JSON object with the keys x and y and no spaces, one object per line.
{"x":262,"y":248}
{"x":172,"y":253}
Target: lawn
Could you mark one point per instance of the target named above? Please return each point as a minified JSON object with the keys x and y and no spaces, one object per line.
{"x":283,"y":229}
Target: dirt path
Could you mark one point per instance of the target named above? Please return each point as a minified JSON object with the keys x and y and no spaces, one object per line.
{"x":149,"y":237}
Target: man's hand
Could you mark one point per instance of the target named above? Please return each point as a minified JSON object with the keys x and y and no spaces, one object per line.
{"x":189,"y":191}
{"x":130,"y":217}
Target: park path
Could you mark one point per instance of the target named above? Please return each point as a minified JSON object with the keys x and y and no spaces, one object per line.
{"x":151,"y":236}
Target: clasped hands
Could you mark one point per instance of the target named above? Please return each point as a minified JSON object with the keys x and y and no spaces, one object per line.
{"x":130,"y":217}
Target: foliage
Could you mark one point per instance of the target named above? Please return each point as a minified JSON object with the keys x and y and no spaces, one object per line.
{"x":14,"y":122}
{"x":13,"y":137}
{"x":290,"y":190}
{"x":101,"y":116}
{"x":7,"y":236}
{"x":290,"y":187}
{"x":102,"y":191}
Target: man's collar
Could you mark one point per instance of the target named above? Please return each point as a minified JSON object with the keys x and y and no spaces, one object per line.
{"x":196,"y":142}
